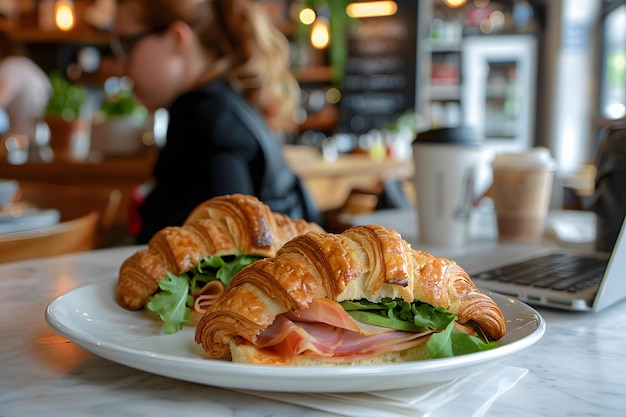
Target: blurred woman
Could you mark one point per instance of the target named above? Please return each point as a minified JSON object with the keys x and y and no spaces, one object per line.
{"x":24,"y":88}
{"x":222,"y":71}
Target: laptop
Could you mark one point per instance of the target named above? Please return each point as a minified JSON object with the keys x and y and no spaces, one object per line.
{"x":567,"y":280}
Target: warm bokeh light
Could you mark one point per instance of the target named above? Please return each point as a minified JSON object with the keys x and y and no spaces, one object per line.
{"x":333,"y":95}
{"x":307,"y":16}
{"x":320,"y":34}
{"x":497,"y":19}
{"x":64,"y":15}
{"x":361,"y":10}
{"x":486,"y":26}
{"x":454,"y":3}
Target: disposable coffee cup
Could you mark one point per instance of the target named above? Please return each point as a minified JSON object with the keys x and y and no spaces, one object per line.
{"x":522,"y":189}
{"x":446,"y":165}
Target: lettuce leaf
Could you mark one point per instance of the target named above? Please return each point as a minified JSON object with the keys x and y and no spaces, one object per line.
{"x":223,"y":268}
{"x":173,"y":301}
{"x":451,"y":342}
{"x":418,"y":317}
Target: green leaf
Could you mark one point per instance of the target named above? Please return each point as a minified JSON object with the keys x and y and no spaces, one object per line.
{"x":451,"y":342}
{"x":431,"y":317}
{"x":66,"y":98}
{"x":440,"y":344}
{"x":122,"y":103}
{"x":417,"y":317}
{"x":361,"y":305}
{"x":390,"y":323}
{"x":421,"y":316}
{"x":171,"y":303}
{"x":217,"y":267}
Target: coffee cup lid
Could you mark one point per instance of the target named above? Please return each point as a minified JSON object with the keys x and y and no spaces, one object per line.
{"x":534,"y":158}
{"x":460,"y":136}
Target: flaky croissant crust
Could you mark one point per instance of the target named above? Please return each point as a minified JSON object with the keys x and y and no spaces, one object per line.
{"x":369,"y":262}
{"x":223,"y":225}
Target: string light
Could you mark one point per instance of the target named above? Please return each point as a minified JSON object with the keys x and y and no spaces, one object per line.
{"x":307,"y":16}
{"x":320,"y":33}
{"x":454,"y":3}
{"x":359,"y":10}
{"x":64,"y":14}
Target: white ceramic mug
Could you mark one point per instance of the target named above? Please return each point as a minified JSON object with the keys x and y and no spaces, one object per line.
{"x":447,"y":162}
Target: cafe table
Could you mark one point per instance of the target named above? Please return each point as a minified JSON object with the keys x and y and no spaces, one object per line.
{"x":576,"y":369}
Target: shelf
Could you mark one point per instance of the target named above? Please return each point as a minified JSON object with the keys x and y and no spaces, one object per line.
{"x":445,"y":92}
{"x":320,"y":74}
{"x":444,"y":46}
{"x":79,"y":35}
{"x":324,"y":120}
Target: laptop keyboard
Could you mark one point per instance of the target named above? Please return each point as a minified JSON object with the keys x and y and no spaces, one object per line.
{"x":562,"y":272}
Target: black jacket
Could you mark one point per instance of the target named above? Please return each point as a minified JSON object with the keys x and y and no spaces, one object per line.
{"x":218,"y":144}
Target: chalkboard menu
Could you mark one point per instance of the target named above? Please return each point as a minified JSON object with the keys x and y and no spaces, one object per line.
{"x":380,"y":73}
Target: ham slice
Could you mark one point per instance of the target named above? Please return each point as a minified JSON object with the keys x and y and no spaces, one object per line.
{"x":325,"y":330}
{"x":323,"y":310}
{"x":207,"y":295}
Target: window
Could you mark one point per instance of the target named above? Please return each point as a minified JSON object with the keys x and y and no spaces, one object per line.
{"x":613,"y":70}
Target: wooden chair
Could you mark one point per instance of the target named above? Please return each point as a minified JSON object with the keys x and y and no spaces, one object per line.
{"x":78,"y":234}
{"x":74,"y":202}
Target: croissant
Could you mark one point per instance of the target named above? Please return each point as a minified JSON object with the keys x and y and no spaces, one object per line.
{"x":224,"y":225}
{"x":364,"y":262}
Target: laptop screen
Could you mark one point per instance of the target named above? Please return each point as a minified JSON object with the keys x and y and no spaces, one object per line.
{"x":613,"y":286}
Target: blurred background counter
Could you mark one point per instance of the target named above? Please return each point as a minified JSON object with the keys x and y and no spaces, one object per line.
{"x":121,"y":173}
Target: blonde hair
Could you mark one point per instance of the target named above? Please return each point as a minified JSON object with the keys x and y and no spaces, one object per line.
{"x":248,"y":49}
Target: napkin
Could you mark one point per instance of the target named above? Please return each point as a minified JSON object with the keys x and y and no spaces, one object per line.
{"x":471,"y":395}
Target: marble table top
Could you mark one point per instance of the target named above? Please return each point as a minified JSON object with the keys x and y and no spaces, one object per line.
{"x":576,"y":369}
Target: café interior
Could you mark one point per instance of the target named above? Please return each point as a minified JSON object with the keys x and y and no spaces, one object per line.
{"x":376,"y":79}
{"x":354,"y":130}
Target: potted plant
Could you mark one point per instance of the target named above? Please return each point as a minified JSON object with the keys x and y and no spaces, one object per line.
{"x":119,"y":124}
{"x":67,"y":136}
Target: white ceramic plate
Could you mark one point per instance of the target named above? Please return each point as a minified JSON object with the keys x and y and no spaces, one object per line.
{"x":90,"y":317}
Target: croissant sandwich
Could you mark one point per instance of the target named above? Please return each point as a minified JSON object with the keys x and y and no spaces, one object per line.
{"x":184,"y":269}
{"x":361,"y":297}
